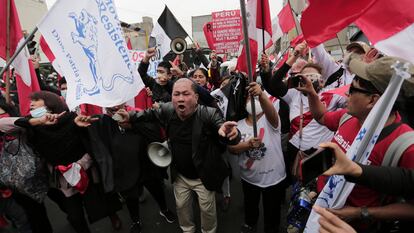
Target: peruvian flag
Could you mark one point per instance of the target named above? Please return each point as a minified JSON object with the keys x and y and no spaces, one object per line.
{"x":25,"y":75}
{"x":259,"y":25}
{"x":321,"y":20}
{"x":75,"y":175}
{"x":393,"y":32}
{"x":388,"y":25}
{"x":283,"y":23}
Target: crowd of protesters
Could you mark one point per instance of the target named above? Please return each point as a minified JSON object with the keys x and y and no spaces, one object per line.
{"x":205,"y":112}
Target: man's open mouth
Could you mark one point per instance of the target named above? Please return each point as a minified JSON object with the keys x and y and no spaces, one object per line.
{"x":181,"y":107}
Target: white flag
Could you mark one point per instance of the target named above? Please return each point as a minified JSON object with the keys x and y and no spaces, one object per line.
{"x":86,"y":38}
{"x":337,"y":190}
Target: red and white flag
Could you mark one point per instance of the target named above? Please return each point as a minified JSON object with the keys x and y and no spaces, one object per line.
{"x":75,"y":175}
{"x":26,"y":78}
{"x":388,"y":25}
{"x":321,"y":20}
{"x":283,"y":23}
{"x":259,"y":28}
{"x":393,"y":32}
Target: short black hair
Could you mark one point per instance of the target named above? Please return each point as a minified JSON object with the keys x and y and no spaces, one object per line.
{"x":166,"y":65}
{"x":204,"y":71}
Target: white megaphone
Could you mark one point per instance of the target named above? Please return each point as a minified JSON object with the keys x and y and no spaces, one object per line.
{"x":178,"y":45}
{"x":159,"y":154}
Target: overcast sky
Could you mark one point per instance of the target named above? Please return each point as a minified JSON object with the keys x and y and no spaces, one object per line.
{"x":132,"y":11}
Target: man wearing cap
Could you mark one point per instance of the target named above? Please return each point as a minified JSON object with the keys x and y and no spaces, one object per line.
{"x":336,"y":74}
{"x":365,"y":205}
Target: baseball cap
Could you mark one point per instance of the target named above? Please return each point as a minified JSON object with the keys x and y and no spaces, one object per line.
{"x":358,"y":45}
{"x":379,"y":73}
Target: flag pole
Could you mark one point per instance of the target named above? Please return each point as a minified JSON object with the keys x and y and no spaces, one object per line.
{"x":18,"y":51}
{"x":281,"y":56}
{"x":249,"y":61}
{"x":7,"y":52}
{"x":263,"y":30}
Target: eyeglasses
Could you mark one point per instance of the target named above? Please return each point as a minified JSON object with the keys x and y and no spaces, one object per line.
{"x":312,"y":76}
{"x":353,"y":89}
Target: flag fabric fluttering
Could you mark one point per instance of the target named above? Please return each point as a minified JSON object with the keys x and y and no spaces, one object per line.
{"x":286,"y":19}
{"x":283,"y":23}
{"x":321,"y":20}
{"x":260,"y":32}
{"x":26,"y":78}
{"x":166,"y":29}
{"x":337,"y":189}
{"x":391,"y":35}
{"x":87,"y":41}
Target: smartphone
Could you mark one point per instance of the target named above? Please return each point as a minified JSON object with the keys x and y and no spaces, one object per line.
{"x":316,"y":164}
{"x":294,"y":81}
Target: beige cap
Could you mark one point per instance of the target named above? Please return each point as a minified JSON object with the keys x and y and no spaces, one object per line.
{"x":379,"y":73}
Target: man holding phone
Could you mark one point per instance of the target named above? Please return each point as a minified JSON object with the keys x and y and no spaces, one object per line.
{"x":365,"y":205}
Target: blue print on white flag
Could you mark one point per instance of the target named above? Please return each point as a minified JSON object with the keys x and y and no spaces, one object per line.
{"x":87,"y":40}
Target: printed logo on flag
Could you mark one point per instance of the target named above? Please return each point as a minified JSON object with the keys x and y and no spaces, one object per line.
{"x":86,"y":37}
{"x":89,"y":46}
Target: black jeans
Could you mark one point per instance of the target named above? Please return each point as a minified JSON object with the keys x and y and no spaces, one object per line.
{"x":16,"y":214}
{"x":75,"y":213}
{"x":272,"y":198}
{"x":154,"y":186}
{"x":35,"y":212}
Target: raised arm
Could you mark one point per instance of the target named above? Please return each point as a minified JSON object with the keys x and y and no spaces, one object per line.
{"x":315,"y":105}
{"x":329,"y":66}
{"x":274,"y":85}
{"x":143,"y":68}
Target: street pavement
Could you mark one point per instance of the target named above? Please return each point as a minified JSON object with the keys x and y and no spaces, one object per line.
{"x":228,"y":222}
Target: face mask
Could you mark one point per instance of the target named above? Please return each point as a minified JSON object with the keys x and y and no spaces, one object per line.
{"x":63,"y":93}
{"x":38,"y":112}
{"x":257,"y":106}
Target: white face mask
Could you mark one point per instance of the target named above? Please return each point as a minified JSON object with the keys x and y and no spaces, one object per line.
{"x":257,"y":106}
{"x":63,"y":93}
{"x":38,"y":112}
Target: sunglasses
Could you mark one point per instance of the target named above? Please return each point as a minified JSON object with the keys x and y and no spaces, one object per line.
{"x":353,"y":89}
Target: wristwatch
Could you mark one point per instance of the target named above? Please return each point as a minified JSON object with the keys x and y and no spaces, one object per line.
{"x":365,"y":214}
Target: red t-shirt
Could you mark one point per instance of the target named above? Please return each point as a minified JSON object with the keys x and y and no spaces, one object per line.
{"x":345,"y":135}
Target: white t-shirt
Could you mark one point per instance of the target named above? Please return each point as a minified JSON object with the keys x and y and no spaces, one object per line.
{"x":313,"y":133}
{"x":269,"y":167}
